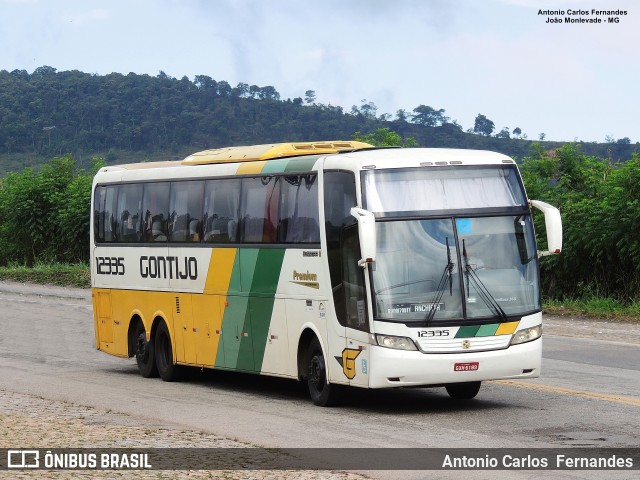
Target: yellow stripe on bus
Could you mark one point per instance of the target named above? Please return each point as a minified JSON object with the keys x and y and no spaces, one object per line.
{"x":251,"y":167}
{"x":507,"y":328}
{"x":220,"y":270}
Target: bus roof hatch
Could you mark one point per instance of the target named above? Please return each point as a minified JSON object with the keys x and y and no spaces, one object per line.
{"x":271,"y":151}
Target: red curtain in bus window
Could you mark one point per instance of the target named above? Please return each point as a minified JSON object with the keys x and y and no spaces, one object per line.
{"x":271,"y":211}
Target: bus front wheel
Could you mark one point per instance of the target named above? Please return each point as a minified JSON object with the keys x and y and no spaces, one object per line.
{"x":145,"y":356}
{"x":463,"y":391}
{"x":322,"y":393}
{"x":169,"y":371}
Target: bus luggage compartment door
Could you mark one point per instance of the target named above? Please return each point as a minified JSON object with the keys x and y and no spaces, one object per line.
{"x":104,"y":315}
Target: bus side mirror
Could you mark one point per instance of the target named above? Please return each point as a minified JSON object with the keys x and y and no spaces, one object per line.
{"x":367,"y":232}
{"x":553,"y":226}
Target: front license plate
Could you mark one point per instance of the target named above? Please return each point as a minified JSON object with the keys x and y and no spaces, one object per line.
{"x":466,"y":367}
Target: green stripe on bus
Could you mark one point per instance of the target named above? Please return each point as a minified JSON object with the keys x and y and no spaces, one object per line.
{"x":233,"y":319}
{"x":245,"y":325}
{"x":248,"y":261}
{"x":302,"y":164}
{"x":466,"y":332}
{"x":275,"y":166}
{"x":265,"y":281}
{"x":234,"y":328}
{"x":487,"y":330}
{"x":267,"y":271}
{"x":290,"y":165}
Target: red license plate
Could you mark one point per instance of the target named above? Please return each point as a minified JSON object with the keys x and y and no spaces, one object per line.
{"x":466,"y":367}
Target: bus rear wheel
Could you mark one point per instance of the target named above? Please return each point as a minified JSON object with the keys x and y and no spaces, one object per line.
{"x":169,"y":371}
{"x":322,"y":393}
{"x":145,"y":354}
{"x":463,"y":391}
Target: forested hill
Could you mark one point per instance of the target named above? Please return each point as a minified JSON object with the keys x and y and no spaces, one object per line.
{"x":134,"y":117}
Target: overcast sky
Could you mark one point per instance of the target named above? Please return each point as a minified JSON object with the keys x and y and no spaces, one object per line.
{"x":495,"y":57}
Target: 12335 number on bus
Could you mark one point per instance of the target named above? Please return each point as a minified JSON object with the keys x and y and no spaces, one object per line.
{"x":110,"y":265}
{"x":433,"y":333}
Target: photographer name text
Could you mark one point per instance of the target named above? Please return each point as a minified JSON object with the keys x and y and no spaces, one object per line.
{"x":592,"y":16}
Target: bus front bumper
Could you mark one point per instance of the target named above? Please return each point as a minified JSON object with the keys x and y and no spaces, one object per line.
{"x":400,"y":368}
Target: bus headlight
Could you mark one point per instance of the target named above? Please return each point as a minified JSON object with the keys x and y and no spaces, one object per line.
{"x":399,"y":343}
{"x":526,"y":335}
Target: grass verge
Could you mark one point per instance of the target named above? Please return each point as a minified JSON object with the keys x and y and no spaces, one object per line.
{"x":61,"y":274}
{"x":600,"y":307}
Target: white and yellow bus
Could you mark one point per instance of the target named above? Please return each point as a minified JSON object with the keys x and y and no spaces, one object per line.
{"x":333,"y":263}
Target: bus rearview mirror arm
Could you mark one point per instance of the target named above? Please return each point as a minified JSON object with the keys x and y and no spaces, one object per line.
{"x":553,"y":227}
{"x":367,"y":233}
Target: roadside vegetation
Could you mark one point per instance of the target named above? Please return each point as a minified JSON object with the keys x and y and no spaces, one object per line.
{"x":61,"y":274}
{"x":44,"y":226}
{"x":596,"y":307}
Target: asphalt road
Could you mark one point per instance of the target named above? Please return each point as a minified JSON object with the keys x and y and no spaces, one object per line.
{"x":588,"y":395}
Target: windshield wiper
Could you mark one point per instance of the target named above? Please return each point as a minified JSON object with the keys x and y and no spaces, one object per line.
{"x":446,"y":274}
{"x":483,"y":291}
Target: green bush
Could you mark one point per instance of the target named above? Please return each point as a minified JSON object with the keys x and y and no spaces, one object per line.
{"x":600,"y":206}
{"x":44,"y":216}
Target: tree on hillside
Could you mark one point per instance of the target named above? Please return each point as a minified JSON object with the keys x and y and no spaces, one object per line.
{"x":44,"y":71}
{"x":241,"y":90}
{"x":204,"y":82}
{"x":384,"y":137}
{"x":268,"y":93}
{"x":402,"y":116}
{"x":309,"y":97}
{"x":428,"y":116}
{"x":367,"y":110}
{"x":483,"y":125}
{"x":504,"y":133}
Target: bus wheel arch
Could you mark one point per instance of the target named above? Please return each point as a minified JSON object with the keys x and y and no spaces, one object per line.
{"x":163,"y":349}
{"x":307,"y":336}
{"x":313,"y":369}
{"x":142,"y":349}
{"x":132,"y":334}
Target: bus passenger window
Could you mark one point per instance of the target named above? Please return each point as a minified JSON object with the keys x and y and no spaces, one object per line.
{"x":221,"y":202}
{"x":155,"y":205}
{"x":299,"y":210}
{"x":259,"y":209}
{"x":185,"y":207}
{"x":104,"y":220}
{"x":128,"y":221}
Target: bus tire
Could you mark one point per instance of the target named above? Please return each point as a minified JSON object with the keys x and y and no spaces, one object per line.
{"x":322,"y":393}
{"x":463,"y":391}
{"x":168,"y":371}
{"x":145,"y":353}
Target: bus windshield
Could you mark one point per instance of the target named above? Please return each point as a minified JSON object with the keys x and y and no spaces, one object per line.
{"x":455,"y":268}
{"x":453,"y":243}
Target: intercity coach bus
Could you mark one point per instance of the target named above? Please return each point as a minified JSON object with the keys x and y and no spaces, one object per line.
{"x":333,"y":263}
